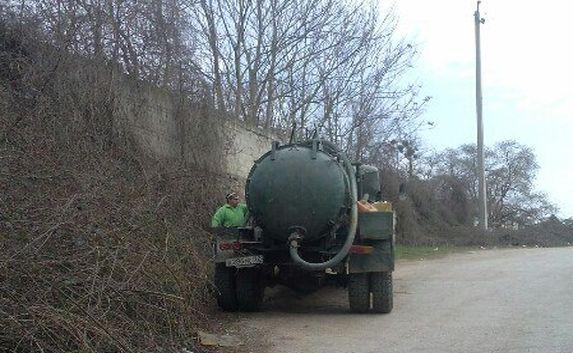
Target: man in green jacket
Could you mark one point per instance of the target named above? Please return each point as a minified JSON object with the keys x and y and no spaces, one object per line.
{"x":231,"y":215}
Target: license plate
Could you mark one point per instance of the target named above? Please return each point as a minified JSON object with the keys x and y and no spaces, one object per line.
{"x":245,"y":261}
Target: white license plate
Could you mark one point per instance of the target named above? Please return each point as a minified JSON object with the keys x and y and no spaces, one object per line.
{"x":245,"y":261}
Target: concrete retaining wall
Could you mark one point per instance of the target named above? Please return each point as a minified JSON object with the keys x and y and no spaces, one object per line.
{"x":168,"y":129}
{"x":246,"y":146}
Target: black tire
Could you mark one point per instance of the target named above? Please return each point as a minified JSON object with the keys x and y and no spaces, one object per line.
{"x":382,"y":295}
{"x":225,"y":287}
{"x":358,"y":292}
{"x":250,"y":289}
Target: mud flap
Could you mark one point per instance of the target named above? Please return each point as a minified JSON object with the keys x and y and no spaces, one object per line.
{"x":375,"y":229}
{"x":380,"y":260}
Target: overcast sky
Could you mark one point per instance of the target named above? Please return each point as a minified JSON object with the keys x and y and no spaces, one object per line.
{"x":527,"y":69}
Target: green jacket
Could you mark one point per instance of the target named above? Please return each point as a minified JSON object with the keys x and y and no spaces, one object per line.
{"x":227,"y":216}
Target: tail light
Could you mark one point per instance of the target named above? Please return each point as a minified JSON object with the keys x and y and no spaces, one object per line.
{"x":230,"y":246}
{"x":361,"y":249}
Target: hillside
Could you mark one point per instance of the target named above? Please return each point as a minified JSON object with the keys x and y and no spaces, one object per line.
{"x":104,"y":248}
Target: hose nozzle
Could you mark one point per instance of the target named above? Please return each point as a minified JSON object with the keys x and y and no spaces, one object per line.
{"x":293,"y":240}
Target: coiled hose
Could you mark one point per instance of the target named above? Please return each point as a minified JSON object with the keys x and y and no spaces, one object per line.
{"x":294,"y":238}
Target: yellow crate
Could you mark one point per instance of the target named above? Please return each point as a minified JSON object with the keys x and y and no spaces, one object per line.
{"x":383,"y":206}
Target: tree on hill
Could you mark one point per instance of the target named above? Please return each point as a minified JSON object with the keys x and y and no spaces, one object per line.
{"x":511,"y":169}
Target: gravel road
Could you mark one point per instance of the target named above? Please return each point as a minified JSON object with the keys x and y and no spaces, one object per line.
{"x":484,"y":301}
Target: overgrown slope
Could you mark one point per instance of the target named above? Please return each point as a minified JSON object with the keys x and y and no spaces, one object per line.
{"x":101,"y":248}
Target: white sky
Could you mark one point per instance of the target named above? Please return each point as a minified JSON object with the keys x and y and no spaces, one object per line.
{"x":527,"y":69}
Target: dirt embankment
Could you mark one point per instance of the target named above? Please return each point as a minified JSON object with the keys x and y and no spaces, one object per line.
{"x":101,"y":248}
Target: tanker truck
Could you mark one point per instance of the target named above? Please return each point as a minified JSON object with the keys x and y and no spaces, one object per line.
{"x":306,"y":230}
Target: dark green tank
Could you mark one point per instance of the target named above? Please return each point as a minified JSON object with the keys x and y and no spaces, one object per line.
{"x":294,"y":187}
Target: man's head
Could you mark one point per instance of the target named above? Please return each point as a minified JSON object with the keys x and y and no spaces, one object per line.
{"x":232,"y":199}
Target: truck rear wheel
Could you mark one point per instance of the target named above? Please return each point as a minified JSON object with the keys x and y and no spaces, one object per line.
{"x":225,"y":286}
{"x":382,"y":296}
{"x":250,"y":289}
{"x":358,"y":292}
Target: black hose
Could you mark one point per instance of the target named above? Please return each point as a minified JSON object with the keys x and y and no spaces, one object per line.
{"x":335,"y":260}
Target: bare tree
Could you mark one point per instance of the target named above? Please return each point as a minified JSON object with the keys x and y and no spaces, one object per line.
{"x":511,"y":169}
{"x":327,"y":64}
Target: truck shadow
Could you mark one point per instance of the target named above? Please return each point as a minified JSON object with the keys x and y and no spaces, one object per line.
{"x":326,"y":300}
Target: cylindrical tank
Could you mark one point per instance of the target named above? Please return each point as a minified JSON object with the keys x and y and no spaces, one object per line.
{"x":298,"y":187}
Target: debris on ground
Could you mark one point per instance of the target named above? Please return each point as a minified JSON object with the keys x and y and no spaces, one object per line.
{"x":210,"y":339}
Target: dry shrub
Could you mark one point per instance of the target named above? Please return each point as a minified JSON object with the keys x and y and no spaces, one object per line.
{"x":432,"y":208}
{"x":102,"y":248}
{"x":437,"y":212}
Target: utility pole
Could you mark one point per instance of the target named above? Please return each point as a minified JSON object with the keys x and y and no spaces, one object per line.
{"x":481,"y":169}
